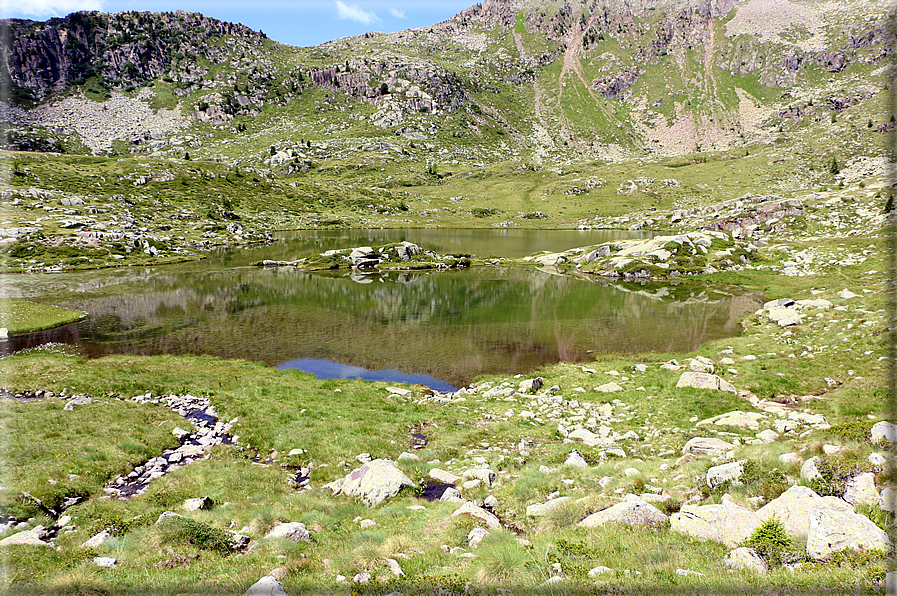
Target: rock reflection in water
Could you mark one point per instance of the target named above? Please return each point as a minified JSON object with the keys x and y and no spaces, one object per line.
{"x":451,"y":325}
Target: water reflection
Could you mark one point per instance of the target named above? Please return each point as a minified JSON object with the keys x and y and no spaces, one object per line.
{"x":451,"y":325}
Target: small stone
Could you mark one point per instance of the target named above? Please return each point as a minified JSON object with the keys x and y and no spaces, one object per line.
{"x":362,"y":578}
{"x":475,"y":536}
{"x":576,"y":459}
{"x":104,"y":561}
{"x":611,"y":387}
{"x":601,"y":569}
{"x":97,"y":540}
{"x":197,"y":504}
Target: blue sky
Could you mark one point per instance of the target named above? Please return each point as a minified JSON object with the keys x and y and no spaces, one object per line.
{"x":295,"y":22}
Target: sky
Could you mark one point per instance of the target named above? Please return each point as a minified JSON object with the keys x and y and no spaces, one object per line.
{"x":294,"y":22}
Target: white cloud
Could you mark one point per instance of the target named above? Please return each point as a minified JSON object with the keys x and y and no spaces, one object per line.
{"x":399,"y":14}
{"x":355,"y":13}
{"x":47,"y":8}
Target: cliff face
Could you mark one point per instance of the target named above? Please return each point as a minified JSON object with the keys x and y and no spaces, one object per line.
{"x":125,"y":49}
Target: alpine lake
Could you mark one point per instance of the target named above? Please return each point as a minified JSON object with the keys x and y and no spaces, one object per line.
{"x":437,"y":328}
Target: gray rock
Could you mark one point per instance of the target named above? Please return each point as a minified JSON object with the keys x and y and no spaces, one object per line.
{"x":727,"y":523}
{"x":861,"y":490}
{"x":887,"y":500}
{"x":706,"y":446}
{"x":443,"y":476}
{"x":611,"y":387}
{"x":475,"y":536}
{"x":730,"y":472}
{"x":32,"y":537}
{"x":745,"y":558}
{"x":589,"y":438}
{"x":362,"y":578}
{"x":701,"y":364}
{"x":484,"y":475}
{"x":400,"y":391}
{"x":784,"y":317}
{"x":452,"y":495}
{"x":491,"y":502}
{"x":768,"y":436}
{"x":197,"y":504}
{"x":472,"y":510}
{"x":97,"y":540}
{"x":737,"y":418}
{"x":405,"y":456}
{"x":634,"y":513}
{"x":531,"y":385}
{"x":295,"y":531}
{"x":267,"y":586}
{"x":104,"y":561}
{"x":697,"y":380}
{"x":832,"y":531}
{"x":540,"y":509}
{"x":375,"y":482}
{"x":793,"y":508}
{"x":78,"y":401}
{"x":808,"y":470}
{"x":576,"y":460}
{"x":601,"y":569}
{"x":884,"y":431}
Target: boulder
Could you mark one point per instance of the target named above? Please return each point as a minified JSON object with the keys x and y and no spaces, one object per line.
{"x":884,"y":431}
{"x":707,"y":446}
{"x":809,"y":470}
{"x":478,"y":513}
{"x":611,"y":387}
{"x":793,"y":508}
{"x":267,"y":586}
{"x":701,"y":364}
{"x":730,"y":472}
{"x":443,"y":476}
{"x":589,"y":438}
{"x":540,"y":509}
{"x":78,"y":401}
{"x":727,"y":523}
{"x":375,"y":481}
{"x":400,"y":391}
{"x":104,"y":561}
{"x":530,"y":385}
{"x":861,"y":490}
{"x":32,"y":537}
{"x":576,"y":460}
{"x":197,"y":504}
{"x":295,"y":531}
{"x":737,"y":418}
{"x":831,"y":531}
{"x":784,"y":317}
{"x":697,"y":380}
{"x":394,"y":567}
{"x":475,"y":536}
{"x":97,"y":540}
{"x":452,"y":495}
{"x":636,"y":512}
{"x":887,"y":500}
{"x":746,"y":559}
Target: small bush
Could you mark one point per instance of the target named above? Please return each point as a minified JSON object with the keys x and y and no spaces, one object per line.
{"x":859,"y":431}
{"x":834,"y":474}
{"x":771,"y":542}
{"x":483,"y":212}
{"x":201,"y":535}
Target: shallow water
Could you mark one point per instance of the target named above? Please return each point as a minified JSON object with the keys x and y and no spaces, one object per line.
{"x":448,"y":325}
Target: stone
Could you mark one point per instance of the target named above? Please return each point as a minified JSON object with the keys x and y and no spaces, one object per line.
{"x":267,"y":586}
{"x":789,"y":458}
{"x":767,"y":436}
{"x":4,"y":333}
{"x":96,"y":540}
{"x":367,"y":523}
{"x":197,"y":504}
{"x":77,"y":401}
{"x":737,"y":418}
{"x":746,"y":559}
{"x":295,"y":531}
{"x":785,"y":317}
{"x":830,"y":449}
{"x":180,"y":433}
{"x":375,"y":482}
{"x":611,"y":387}
{"x":706,"y":446}
{"x":884,"y":431}
{"x":443,"y":476}
{"x":846,"y":294}
{"x":400,"y":391}
{"x":696,"y":380}
{"x":589,"y":438}
{"x":478,"y":513}
{"x":475,"y":536}
{"x":701,"y":364}
{"x":104,"y":561}
{"x":877,"y":459}
{"x":576,"y":460}
{"x":491,"y":502}
{"x":394,"y":567}
{"x":727,"y":523}
{"x":634,"y":513}
{"x":793,"y":508}
{"x":32,"y":537}
{"x":530,"y":385}
{"x":860,"y":490}
{"x":601,"y":569}
{"x":809,"y":470}
{"x":730,"y":472}
{"x":362,"y":578}
{"x":540,"y":509}
{"x":405,"y":456}
{"x":484,"y":475}
{"x":452,"y":495}
{"x":887,"y":500}
{"x":832,"y":531}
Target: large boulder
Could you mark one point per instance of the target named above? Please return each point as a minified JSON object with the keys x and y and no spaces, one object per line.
{"x":794,"y":506}
{"x":471,"y":509}
{"x":730,"y":472}
{"x":884,"y":431}
{"x":295,"y":531}
{"x":375,"y":481}
{"x":698,"y":380}
{"x":33,"y":537}
{"x":832,"y":530}
{"x":861,"y":490}
{"x":635,"y":512}
{"x":727,"y":523}
{"x":706,"y":446}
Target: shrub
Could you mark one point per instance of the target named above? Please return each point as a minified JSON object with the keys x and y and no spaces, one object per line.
{"x":771,"y":542}
{"x":177,"y":529}
{"x":834,"y":473}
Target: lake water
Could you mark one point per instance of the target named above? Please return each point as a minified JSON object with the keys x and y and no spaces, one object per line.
{"x":448,"y":325}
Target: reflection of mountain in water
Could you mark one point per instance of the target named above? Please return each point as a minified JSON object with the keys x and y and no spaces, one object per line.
{"x":452,"y":325}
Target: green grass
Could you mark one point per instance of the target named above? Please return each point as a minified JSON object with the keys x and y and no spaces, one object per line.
{"x":20,"y":316}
